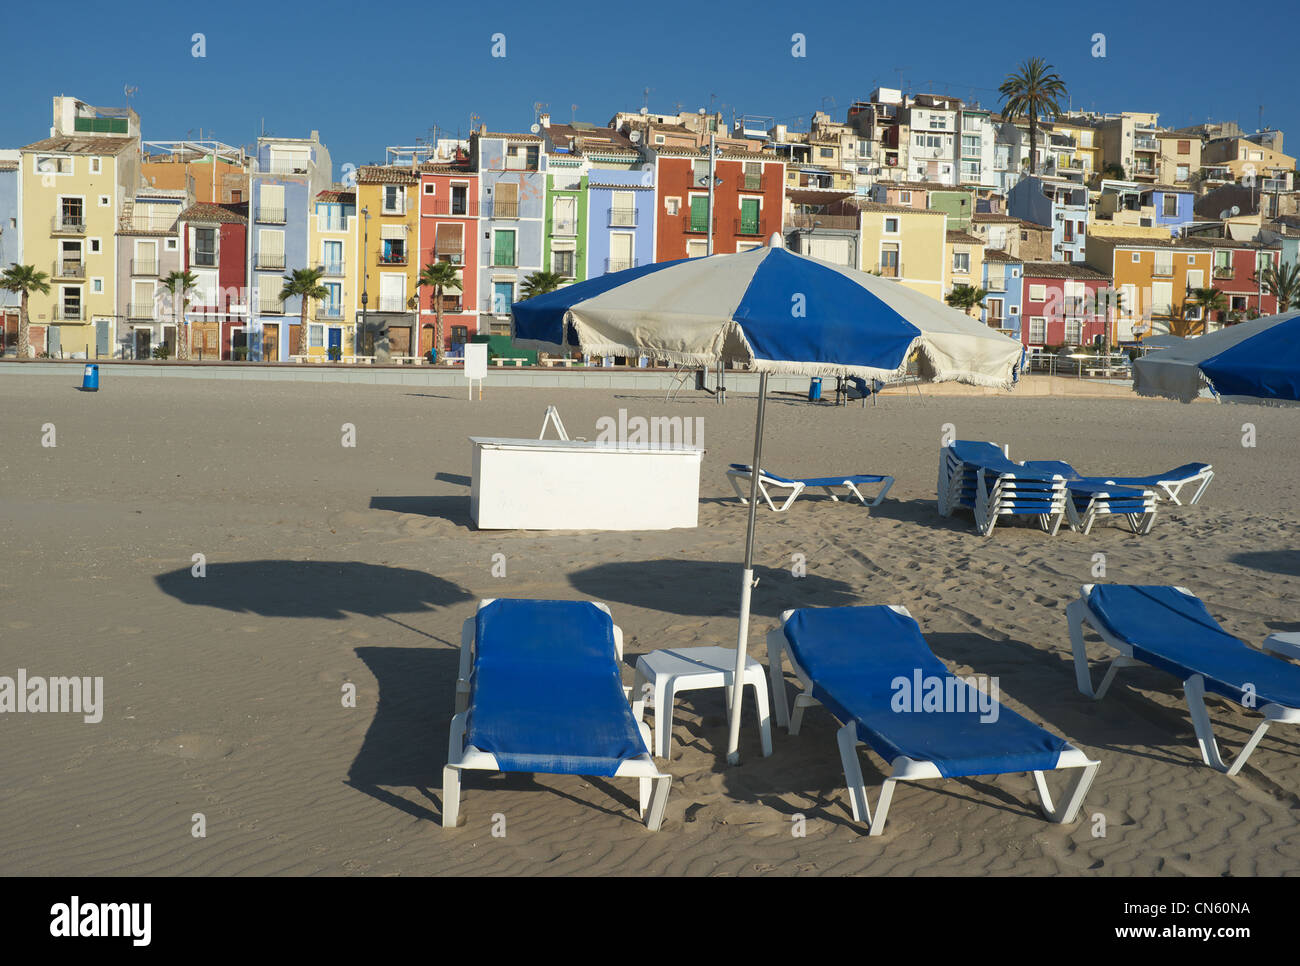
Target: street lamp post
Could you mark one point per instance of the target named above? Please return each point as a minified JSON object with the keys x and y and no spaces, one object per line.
{"x":358,"y":339}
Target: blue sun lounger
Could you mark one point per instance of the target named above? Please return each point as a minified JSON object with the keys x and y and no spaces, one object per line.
{"x":1091,"y":498}
{"x":1170,"y":629}
{"x":741,"y":471}
{"x":980,"y":477}
{"x":851,"y":660}
{"x":1169,"y":485}
{"x":540,"y":691}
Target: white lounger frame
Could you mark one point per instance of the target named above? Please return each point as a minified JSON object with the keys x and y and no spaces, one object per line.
{"x":903,"y":768}
{"x":1139,"y":523}
{"x":1171,"y":488}
{"x":1078,"y":611}
{"x":796,"y":487}
{"x":988,"y":499}
{"x":654,"y":783}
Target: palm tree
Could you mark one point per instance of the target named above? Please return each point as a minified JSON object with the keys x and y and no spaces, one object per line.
{"x":439,"y":276}
{"x":304,"y":282}
{"x":1034,"y":90}
{"x":181,"y":286}
{"x":1113,"y":169}
{"x":966,"y":297}
{"x":1210,"y":300}
{"x":24,"y":279}
{"x":1282,"y":281}
{"x":539,"y":283}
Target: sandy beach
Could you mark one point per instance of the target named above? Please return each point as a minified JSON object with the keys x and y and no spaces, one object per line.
{"x":328,"y":565}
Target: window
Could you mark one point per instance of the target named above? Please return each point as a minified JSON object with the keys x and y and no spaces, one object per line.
{"x":905,"y":197}
{"x":1037,"y":330}
{"x":1196,"y":278}
{"x":105,"y":201}
{"x":694,"y":249}
{"x":970,"y":144}
{"x":315,"y":336}
{"x":1184,"y":147}
{"x":961,"y":263}
{"x":659,"y":139}
{"x":460,"y":199}
{"x":995,"y":312}
{"x":170,"y":244}
{"x":1164,"y":264}
{"x":97,"y":285}
{"x":1073,"y":331}
{"x":672,"y":205}
{"x":938,"y":122}
{"x":890,"y":267}
{"x":565,"y":215}
{"x":1263,"y":260}
{"x":700,"y":172}
{"x":1162,"y":297}
{"x":1038,"y":293}
{"x":1239,"y":303}
{"x":505,"y":202}
{"x":1183,"y":173}
{"x":95,"y":246}
{"x":394,"y":200}
{"x":826,"y":152}
{"x":52,"y":164}
{"x":205,"y":246}
{"x":430,"y":188}
{"x":891,"y":226}
{"x":96,"y":165}
{"x":562,"y":263}
{"x":503,"y":249}
{"x":1170,"y":206}
{"x":699,"y":213}
{"x":1137,"y":257}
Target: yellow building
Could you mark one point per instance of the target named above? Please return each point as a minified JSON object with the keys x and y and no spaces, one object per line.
{"x":964,"y":260}
{"x":75,"y":184}
{"x":1087,"y":148}
{"x":388,"y":209}
{"x":332,"y":240}
{"x":907,"y":244}
{"x":1152,"y":276}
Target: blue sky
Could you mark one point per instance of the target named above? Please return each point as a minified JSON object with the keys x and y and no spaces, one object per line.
{"x":368,"y":75}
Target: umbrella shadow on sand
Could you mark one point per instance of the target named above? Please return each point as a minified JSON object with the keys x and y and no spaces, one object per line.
{"x":329,"y":589}
{"x":1285,"y":562}
{"x":707,"y":588}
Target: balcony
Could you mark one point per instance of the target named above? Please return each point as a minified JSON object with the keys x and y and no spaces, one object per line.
{"x":391,"y":257}
{"x":620,"y":264}
{"x":205,"y":260}
{"x":622,"y":217}
{"x":69,"y":313}
{"x":332,"y":269}
{"x":744,"y":226}
{"x":811,"y":222}
{"x":144,"y":266}
{"x":463,"y":207}
{"x":69,"y":268}
{"x":339,"y":223}
{"x":269,"y":261}
{"x":697,"y":225}
{"x":391,"y":303}
{"x":270,"y":216}
{"x":491,"y":308}
{"x":1163,"y":269}
{"x":565,"y":228}
{"x":329,"y":313}
{"x":134,"y":222}
{"x":270,"y":306}
{"x":68,"y":224}
{"x":141,"y":310}
{"x":282,"y":167}
{"x":751,"y":182}
{"x":996,"y":284}
{"x":1223,"y":271}
{"x":1146,"y":144}
{"x":393,"y":211}
{"x":503,"y":209}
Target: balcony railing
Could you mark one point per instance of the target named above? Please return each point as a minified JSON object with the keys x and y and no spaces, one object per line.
{"x":1165,"y":269}
{"x":997,"y":284}
{"x":391,"y":257}
{"x":135,"y":222}
{"x":269,"y":261}
{"x":491,"y":308}
{"x":698,"y":225}
{"x":568,"y":226}
{"x":394,"y":210}
{"x":144,"y":266}
{"x":68,"y":225}
{"x":69,"y":268}
{"x":205,"y":260}
{"x":745,"y":226}
{"x":69,"y":313}
{"x":332,"y":269}
{"x":282,"y":167}
{"x":468,"y":207}
{"x":620,"y":264}
{"x":751,"y":182}
{"x":1146,"y":144}
{"x":622,"y":217}
{"x":270,"y":306}
{"x":270,"y":216}
{"x":391,"y":303}
{"x":1222,"y":271}
{"x":329,"y":312}
{"x":141,"y":310}
{"x":331,"y":224}
{"x":815,"y":221}
{"x":503,"y":209}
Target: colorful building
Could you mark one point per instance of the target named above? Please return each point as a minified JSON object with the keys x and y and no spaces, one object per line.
{"x":1151,"y":277}
{"x":449,"y":220}
{"x":512,"y":172}
{"x":1146,"y":205}
{"x":906,"y":244}
{"x":213,"y":172}
{"x":332,"y":242}
{"x":148,"y":244}
{"x":75,"y":186}
{"x":287,"y":174}
{"x":749,"y":202}
{"x":1063,"y":304}
{"x":1058,"y":204}
{"x":215,"y":243}
{"x":1236,"y":270}
{"x":1023,"y":240}
{"x":1003,"y":278}
{"x":964,"y":260}
{"x":388,"y":198}
{"x":11,"y":220}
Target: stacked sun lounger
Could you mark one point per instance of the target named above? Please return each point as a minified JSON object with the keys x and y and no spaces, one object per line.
{"x":1090,"y":498}
{"x":851,"y":660}
{"x":981,"y":478}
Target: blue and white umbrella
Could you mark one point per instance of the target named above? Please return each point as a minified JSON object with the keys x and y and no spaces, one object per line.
{"x":1256,"y":361}
{"x":778,"y":312}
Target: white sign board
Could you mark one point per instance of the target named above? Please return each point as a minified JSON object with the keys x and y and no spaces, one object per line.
{"x":476,"y":360}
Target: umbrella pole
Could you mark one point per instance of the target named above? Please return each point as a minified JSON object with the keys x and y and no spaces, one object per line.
{"x":746,"y":585}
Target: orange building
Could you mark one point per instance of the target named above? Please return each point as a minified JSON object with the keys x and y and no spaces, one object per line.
{"x":213,"y":172}
{"x":1152,"y":277}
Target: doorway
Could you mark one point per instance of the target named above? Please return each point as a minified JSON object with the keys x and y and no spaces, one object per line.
{"x":271,"y":342}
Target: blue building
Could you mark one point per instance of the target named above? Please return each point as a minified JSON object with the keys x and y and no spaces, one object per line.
{"x":1004,"y":282}
{"x":512,"y":226}
{"x":1058,"y":204}
{"x":1147,"y":205}
{"x":621,"y":219}
{"x":11,"y":222}
{"x":287,"y":174}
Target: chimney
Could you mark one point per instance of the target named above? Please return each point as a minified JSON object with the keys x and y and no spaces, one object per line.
{"x":544,"y":120}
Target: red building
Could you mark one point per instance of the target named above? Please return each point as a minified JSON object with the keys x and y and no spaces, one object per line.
{"x":215,"y":239}
{"x":749,"y":199}
{"x":1063,"y":303}
{"x":1236,"y":268}
{"x":448,"y":233}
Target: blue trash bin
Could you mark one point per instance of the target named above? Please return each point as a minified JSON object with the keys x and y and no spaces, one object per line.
{"x":90,"y":379}
{"x":815,"y":389}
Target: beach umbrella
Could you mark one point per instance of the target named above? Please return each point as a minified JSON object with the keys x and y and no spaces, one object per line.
{"x":781,"y":313}
{"x":1252,"y":361}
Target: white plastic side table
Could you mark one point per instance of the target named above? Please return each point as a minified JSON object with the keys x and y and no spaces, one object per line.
{"x":689,"y":669}
{"x":1286,"y":643}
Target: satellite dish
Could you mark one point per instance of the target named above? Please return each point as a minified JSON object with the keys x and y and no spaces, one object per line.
{"x":634,"y":137}
{"x":1223,"y":214}
{"x":534,"y":129}
{"x":1236,"y":210}
{"x":645,"y":110}
{"x":701,"y":112}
